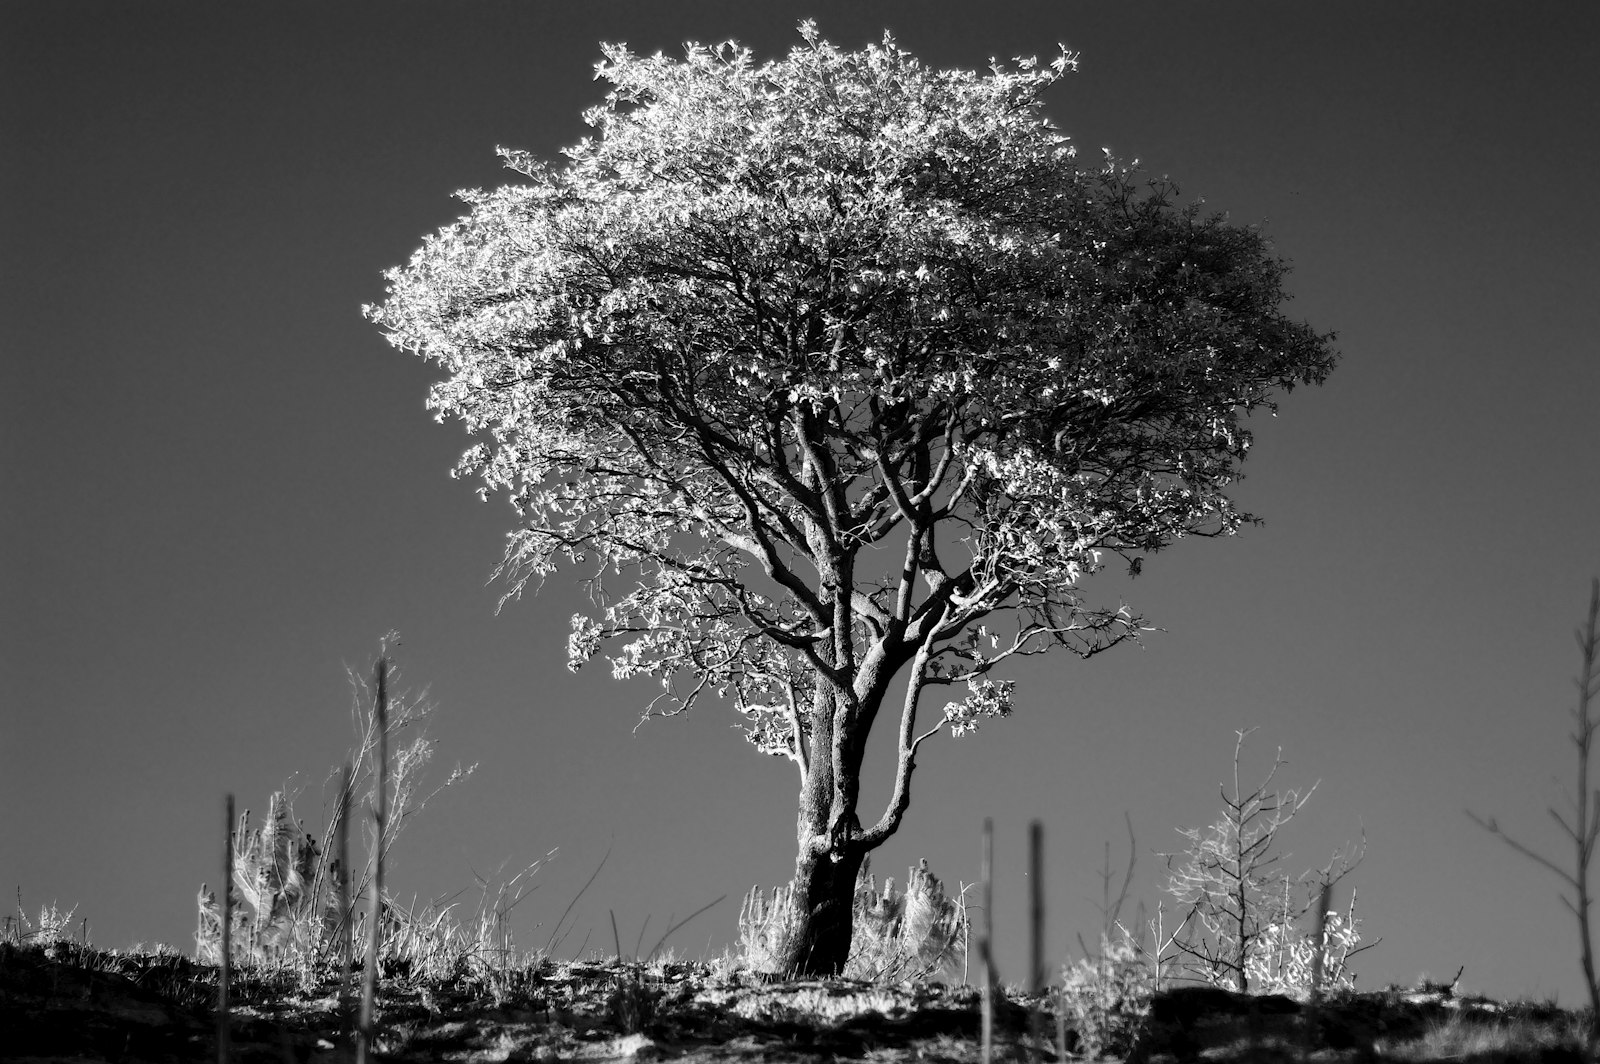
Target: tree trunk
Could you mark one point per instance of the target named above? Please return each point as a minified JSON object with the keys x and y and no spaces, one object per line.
{"x":825,"y":873}
{"x":824,"y":899}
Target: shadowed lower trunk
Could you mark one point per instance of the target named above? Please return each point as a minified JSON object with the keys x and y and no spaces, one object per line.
{"x":824,"y":898}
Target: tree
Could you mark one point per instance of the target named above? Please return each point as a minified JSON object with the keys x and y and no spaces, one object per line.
{"x":835,"y":370}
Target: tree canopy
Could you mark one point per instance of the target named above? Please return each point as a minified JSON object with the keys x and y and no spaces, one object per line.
{"x":827,"y":366}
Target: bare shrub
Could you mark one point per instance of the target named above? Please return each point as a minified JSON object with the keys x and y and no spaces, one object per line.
{"x":1243,"y":910}
{"x":1107,"y":996}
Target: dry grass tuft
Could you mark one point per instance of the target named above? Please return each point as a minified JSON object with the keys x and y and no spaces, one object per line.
{"x":51,"y":927}
{"x":1510,"y":1033}
{"x":298,"y":908}
{"x":899,"y":935}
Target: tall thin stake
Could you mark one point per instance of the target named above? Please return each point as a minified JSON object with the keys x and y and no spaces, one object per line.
{"x":223,"y":1035}
{"x":1036,"y":904}
{"x":380,"y":812}
{"x":1319,"y":945}
{"x":1036,"y":927}
{"x":1320,"y":940}
{"x":345,"y":928}
{"x":1587,"y":821}
{"x":986,"y":943}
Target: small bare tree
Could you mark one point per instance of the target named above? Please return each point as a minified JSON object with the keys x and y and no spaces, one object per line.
{"x":1583,"y":827}
{"x":1228,"y":878}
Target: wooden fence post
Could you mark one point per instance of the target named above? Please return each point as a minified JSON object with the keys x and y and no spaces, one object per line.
{"x":380,"y":812}
{"x":1036,"y":928}
{"x":1319,"y":939}
{"x":986,"y":943}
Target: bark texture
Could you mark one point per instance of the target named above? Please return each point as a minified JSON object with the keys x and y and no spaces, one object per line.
{"x":825,"y":886}
{"x":829,"y":843}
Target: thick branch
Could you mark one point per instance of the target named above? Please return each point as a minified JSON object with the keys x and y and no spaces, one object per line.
{"x":906,"y":759}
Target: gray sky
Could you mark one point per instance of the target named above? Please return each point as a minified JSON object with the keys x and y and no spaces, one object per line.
{"x":221,"y":487}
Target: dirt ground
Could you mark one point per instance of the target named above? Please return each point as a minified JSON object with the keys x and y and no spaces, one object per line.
{"x":53,"y":1008}
{"x":66,"y":1004}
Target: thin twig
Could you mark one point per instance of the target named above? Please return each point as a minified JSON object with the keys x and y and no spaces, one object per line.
{"x":638,"y":941}
{"x":662,"y":940}
{"x":552,"y":943}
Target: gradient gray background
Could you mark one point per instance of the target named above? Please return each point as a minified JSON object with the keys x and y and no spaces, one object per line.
{"x":220,"y":486}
